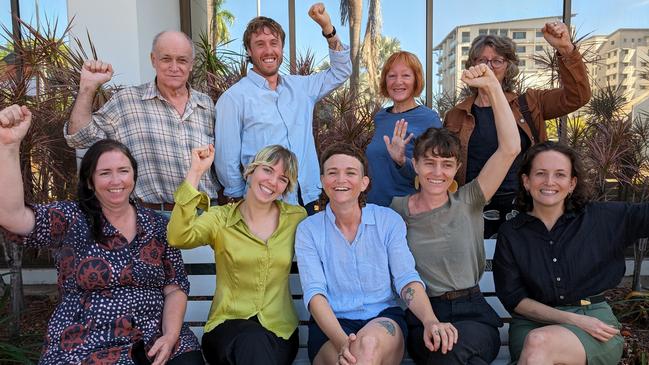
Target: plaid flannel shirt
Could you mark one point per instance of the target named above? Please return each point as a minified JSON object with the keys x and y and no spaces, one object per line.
{"x":159,"y":138}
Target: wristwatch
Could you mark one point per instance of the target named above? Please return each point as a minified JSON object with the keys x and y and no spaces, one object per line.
{"x":330,"y":35}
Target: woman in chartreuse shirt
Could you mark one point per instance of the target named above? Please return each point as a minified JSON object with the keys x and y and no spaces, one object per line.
{"x":252,"y":319}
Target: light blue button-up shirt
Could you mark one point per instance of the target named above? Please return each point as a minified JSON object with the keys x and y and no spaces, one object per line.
{"x":361,"y":278}
{"x":250,"y":115}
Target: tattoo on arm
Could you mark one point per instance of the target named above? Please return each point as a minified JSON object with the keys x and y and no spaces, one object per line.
{"x":409,"y":296}
{"x":388,"y":325}
{"x":334,"y":43}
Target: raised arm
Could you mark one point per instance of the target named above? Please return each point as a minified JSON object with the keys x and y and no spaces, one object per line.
{"x":94,"y":73}
{"x":574,"y":91}
{"x":319,"y":84}
{"x":186,"y":229}
{"x":14,"y":215}
{"x":319,"y":14}
{"x":509,"y":140}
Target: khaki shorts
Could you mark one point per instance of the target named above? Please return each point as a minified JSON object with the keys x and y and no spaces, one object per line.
{"x":597,"y":353}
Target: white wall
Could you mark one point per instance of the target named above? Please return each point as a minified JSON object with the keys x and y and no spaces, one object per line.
{"x":122,"y":32}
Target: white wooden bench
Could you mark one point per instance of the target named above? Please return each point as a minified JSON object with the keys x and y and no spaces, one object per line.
{"x":199,"y":263}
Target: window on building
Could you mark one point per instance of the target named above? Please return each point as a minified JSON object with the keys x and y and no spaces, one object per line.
{"x":625,"y":52}
{"x":466,"y":36}
{"x":482,"y":31}
{"x":538,"y":48}
{"x":493,"y":31}
{"x":504,"y":32}
{"x":518,"y":35}
{"x":520,"y":49}
{"x":465,"y":51}
{"x":612,"y":43}
{"x":539,"y":34}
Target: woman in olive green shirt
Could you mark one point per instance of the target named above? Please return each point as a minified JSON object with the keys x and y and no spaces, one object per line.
{"x":252,"y":319}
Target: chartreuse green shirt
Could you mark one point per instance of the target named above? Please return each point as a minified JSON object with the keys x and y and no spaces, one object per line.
{"x":252,"y":275}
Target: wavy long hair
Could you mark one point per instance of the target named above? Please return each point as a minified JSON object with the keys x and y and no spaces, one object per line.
{"x":85,"y":189}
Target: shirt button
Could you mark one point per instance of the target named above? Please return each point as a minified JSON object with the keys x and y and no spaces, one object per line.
{"x":554,"y":259}
{"x":561,"y":297}
{"x":558,"y":278}
{"x":552,"y":242}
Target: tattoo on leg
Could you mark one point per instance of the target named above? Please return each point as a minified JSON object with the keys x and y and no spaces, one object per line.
{"x":388,"y":325}
{"x":409,"y":296}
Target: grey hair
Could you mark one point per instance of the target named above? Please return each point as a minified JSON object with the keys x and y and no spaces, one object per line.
{"x":189,"y":40}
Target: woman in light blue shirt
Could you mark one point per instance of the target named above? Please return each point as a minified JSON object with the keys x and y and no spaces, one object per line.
{"x":350,"y":258}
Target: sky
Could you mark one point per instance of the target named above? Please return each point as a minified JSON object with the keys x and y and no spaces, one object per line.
{"x":403,"y":19}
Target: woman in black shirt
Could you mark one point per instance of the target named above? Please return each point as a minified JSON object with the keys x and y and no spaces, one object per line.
{"x":553,"y":261}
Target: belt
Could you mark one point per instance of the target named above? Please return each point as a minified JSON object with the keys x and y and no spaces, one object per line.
{"x":457,"y":294}
{"x":168,"y":207}
{"x":588,"y":301}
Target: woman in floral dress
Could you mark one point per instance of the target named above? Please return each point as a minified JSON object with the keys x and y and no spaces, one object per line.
{"x":123,"y":289}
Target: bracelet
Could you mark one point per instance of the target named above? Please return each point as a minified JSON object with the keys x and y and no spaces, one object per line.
{"x":330,"y":35}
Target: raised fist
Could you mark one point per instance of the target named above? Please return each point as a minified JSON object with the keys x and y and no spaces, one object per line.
{"x":14,"y":124}
{"x":319,"y":14}
{"x":95,"y":73}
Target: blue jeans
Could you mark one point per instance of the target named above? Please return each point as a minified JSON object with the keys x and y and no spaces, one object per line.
{"x":477,"y":326}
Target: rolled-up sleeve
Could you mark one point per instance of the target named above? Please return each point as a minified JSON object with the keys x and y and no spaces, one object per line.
{"x":309,"y":263}
{"x":186,"y":229}
{"x":510,"y":288}
{"x":103,"y":125}
{"x":402,"y":263}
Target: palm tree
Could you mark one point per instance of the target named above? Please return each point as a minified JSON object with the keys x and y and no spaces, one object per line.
{"x":351,"y":11}
{"x":370,"y":49}
{"x":220,"y":20}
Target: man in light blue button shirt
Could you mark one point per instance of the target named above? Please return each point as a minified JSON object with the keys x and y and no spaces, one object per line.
{"x":266,"y":108}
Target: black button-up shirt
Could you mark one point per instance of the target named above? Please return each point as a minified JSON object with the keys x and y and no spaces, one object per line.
{"x":582,"y":255}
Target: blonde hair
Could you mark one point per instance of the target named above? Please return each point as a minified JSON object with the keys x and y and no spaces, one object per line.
{"x":269,"y":156}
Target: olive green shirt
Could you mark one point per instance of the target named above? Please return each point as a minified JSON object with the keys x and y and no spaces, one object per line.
{"x":252,"y":274}
{"x":447,"y":241}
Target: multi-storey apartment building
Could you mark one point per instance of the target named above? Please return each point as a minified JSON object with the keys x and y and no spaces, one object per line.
{"x":622,"y":60}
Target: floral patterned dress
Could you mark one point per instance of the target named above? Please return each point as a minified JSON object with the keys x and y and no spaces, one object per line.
{"x":111,"y":291}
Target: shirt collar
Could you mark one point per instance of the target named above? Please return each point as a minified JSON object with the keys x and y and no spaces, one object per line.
{"x":234,"y":215}
{"x":367,"y":215}
{"x":259,"y":80}
{"x":524,"y":218}
{"x":152,"y":92}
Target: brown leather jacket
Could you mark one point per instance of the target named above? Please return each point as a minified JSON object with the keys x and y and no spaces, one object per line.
{"x":543,"y":105}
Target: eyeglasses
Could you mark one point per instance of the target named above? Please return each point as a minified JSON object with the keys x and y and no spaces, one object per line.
{"x":496,"y":63}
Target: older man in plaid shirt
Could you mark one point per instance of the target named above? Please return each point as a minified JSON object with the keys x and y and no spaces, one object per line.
{"x":160,"y":122}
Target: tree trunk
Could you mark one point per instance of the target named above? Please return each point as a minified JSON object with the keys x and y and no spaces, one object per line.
{"x":355,"y":18}
{"x":639,"y":250}
{"x":13,"y":255}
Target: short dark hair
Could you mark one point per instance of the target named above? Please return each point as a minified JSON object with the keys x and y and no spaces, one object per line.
{"x":439,"y":142}
{"x":348,"y":150}
{"x":503,"y":46}
{"x":257,"y":25}
{"x":85,"y":187}
{"x":581,"y":194}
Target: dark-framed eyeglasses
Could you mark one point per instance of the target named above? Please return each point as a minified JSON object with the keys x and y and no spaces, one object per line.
{"x":496,"y":63}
